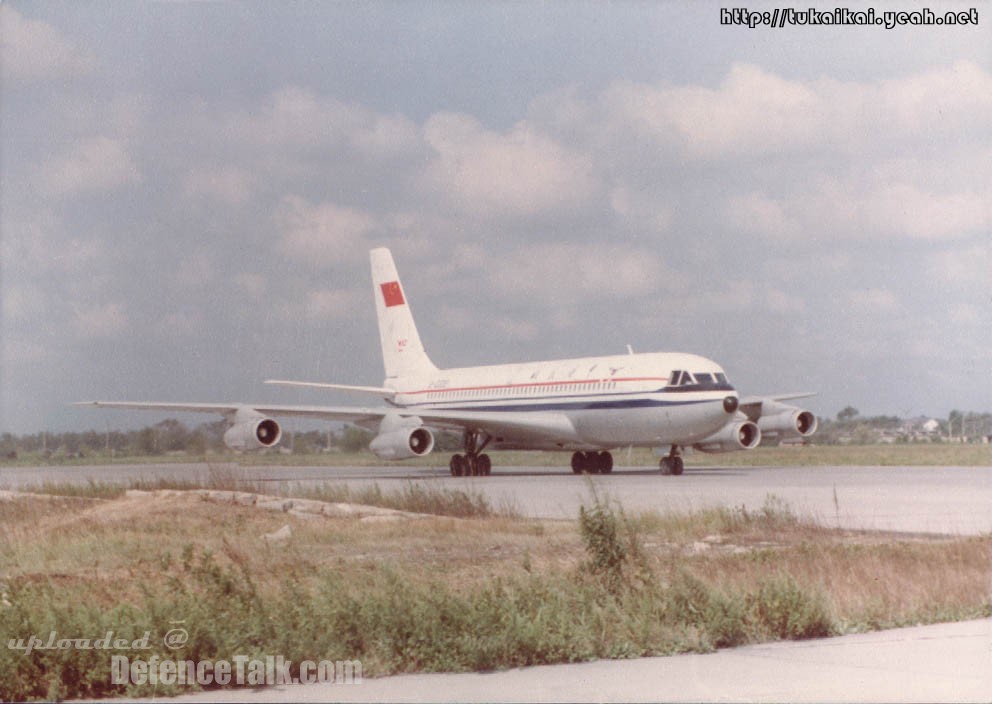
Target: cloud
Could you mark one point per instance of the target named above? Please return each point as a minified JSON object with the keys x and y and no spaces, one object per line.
{"x":22,"y":303}
{"x":753,"y":111}
{"x":565,"y":273}
{"x":196,"y":270}
{"x":180,"y":324}
{"x":901,"y":208}
{"x":851,"y":208}
{"x":92,"y":166}
{"x":643,"y":210}
{"x":321,"y":234}
{"x":297,"y":117}
{"x":227,"y":185}
{"x":873,"y":301}
{"x":104,"y":321}
{"x":756,"y":213}
{"x":330,"y":304}
{"x":967,"y":267}
{"x":31,"y":50}
{"x":522,"y":172}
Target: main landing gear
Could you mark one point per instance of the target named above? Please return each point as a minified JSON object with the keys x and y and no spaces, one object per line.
{"x":473,"y":463}
{"x":592,"y":462}
{"x":672,"y":463}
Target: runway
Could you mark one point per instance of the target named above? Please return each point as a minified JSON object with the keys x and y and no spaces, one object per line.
{"x":947,"y":500}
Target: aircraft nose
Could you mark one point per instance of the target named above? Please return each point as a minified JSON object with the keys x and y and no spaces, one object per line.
{"x":730,"y":404}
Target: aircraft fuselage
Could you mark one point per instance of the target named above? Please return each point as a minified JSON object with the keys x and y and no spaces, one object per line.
{"x":612,"y":401}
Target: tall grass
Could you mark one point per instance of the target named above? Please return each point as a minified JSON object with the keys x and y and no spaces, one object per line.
{"x":900,"y":454}
{"x":448,"y":595}
{"x":413,"y":497}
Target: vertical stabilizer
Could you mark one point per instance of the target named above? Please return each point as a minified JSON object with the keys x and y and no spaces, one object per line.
{"x":402,"y":352}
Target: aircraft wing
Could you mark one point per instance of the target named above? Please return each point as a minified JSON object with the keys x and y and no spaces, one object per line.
{"x":344,"y":413}
{"x":387,"y":394}
{"x":539,"y":425}
{"x":534,"y":426}
{"x":778,"y":397}
{"x":777,"y":419}
{"x":752,"y":406}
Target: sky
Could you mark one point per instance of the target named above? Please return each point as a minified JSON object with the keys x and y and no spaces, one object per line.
{"x":188,"y":194}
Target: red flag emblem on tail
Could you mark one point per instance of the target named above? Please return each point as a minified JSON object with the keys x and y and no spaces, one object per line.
{"x":392,"y":294}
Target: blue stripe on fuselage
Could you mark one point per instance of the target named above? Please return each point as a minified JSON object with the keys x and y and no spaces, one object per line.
{"x":587,"y":405}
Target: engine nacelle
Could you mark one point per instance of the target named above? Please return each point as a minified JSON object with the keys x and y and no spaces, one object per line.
{"x":252,"y":431}
{"x":401,"y":439}
{"x":781,"y":421}
{"x":739,"y":435}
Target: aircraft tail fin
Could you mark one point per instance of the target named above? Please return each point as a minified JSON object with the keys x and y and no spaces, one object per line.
{"x":402,"y":352}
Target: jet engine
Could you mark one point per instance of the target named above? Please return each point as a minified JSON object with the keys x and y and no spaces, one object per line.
{"x":401,"y":438}
{"x":739,"y":435}
{"x":779,"y":420}
{"x":252,"y":434}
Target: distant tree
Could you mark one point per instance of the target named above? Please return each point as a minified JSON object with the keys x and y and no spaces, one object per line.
{"x":307,"y":443}
{"x":196,"y":444}
{"x":172,"y":435}
{"x":865,"y":435}
{"x":848,"y":414}
{"x":213,"y":433}
{"x":146,"y":442}
{"x":354,"y":439}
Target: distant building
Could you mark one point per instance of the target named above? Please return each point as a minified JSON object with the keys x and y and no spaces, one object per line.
{"x":919,"y":429}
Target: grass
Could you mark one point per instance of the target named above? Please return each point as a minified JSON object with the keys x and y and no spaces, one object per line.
{"x":899,"y":454}
{"x":414,"y":498}
{"x":486,"y":591}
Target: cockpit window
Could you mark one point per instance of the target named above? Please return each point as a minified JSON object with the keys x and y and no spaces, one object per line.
{"x":681,"y":380}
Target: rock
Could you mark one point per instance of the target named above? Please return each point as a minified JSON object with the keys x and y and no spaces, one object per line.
{"x":284,"y":533}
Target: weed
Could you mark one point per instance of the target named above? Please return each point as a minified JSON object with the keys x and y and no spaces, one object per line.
{"x":600,"y":530}
{"x":438,"y":599}
{"x":415,"y":498}
{"x":782,"y":608}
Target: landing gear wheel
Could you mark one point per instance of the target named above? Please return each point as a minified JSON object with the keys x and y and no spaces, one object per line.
{"x":483,"y":466}
{"x":592,"y":462}
{"x":672,"y":464}
{"x":604,"y":463}
{"x":473,"y":463}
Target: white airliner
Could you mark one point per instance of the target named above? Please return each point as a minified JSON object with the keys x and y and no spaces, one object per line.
{"x":589,"y":406}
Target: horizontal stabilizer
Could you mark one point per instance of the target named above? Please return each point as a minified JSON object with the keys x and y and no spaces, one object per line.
{"x":374,"y":390}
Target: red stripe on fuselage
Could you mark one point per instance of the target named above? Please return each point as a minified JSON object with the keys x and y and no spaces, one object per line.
{"x":532,"y":384}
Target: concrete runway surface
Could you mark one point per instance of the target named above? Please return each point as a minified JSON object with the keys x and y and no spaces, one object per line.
{"x":944,"y":663}
{"x":948,"y":662}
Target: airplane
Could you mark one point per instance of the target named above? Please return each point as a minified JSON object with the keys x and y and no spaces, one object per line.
{"x":587,"y":406}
